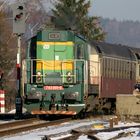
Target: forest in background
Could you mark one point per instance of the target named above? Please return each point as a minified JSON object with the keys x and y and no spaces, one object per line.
{"x":122,"y":32}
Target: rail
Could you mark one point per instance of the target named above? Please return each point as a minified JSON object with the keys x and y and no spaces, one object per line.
{"x":26,"y":125}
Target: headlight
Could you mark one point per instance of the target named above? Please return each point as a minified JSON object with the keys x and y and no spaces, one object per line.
{"x":38,"y":93}
{"x":39,"y":77}
{"x":39,"y":73}
{"x":35,"y":94}
{"x":69,"y":76}
{"x":33,"y":90}
{"x":76,"y":94}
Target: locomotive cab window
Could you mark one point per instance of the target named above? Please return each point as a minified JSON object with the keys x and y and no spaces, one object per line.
{"x":80,"y":51}
{"x":33,"y":48}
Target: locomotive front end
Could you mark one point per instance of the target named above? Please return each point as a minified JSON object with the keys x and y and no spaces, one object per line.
{"x":55,"y":76}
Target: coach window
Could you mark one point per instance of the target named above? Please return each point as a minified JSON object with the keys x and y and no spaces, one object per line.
{"x":117,"y":66}
{"x":133,"y":71}
{"x":109,"y":70}
{"x":105,"y":67}
{"x":123,"y":63}
{"x":119,"y":70}
{"x":139,"y":70}
{"x":115,"y":63}
{"x":129,"y":71}
{"x":108,"y":67}
{"x":114,"y":68}
{"x":120,"y":75}
{"x":110,"y":73}
{"x":122,"y":69}
{"x":102,"y":68}
{"x":124,"y":72}
{"x":125,"y":68}
{"x":111,"y":67}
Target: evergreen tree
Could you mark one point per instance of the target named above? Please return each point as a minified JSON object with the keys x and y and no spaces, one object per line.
{"x":73,"y":14}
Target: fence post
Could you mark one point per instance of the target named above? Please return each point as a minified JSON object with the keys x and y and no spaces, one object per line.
{"x":2,"y":101}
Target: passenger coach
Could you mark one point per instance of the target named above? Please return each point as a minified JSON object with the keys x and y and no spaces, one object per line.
{"x":112,"y":72}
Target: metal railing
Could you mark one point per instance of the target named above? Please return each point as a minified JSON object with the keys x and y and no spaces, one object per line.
{"x":31,"y":65}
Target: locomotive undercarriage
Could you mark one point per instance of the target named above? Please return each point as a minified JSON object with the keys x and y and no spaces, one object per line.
{"x":55,"y":109}
{"x":39,"y":103}
{"x":54,"y":102}
{"x":98,"y":105}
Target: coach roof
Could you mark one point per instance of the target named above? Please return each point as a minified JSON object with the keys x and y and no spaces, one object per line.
{"x":113,"y":50}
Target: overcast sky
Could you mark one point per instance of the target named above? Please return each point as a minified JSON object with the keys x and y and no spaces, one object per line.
{"x":119,"y":9}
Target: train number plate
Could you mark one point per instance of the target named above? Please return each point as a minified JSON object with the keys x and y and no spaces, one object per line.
{"x":53,"y":88}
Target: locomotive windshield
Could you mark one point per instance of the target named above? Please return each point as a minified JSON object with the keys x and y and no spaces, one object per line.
{"x":80,"y":51}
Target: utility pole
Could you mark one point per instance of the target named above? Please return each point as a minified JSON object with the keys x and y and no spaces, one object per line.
{"x":18,"y":29}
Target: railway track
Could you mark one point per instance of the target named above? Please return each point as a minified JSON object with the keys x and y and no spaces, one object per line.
{"x":34,"y":123}
{"x":26,"y":125}
{"x":76,"y":133}
{"x":91,"y":134}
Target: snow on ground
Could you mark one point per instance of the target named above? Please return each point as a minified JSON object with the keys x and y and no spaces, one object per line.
{"x":109,"y":135}
{"x":63,"y":130}
{"x":13,"y":111}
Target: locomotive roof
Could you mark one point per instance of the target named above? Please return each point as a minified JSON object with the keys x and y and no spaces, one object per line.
{"x":113,"y":50}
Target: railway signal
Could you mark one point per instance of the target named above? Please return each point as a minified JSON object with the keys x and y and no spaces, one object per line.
{"x":19,"y":18}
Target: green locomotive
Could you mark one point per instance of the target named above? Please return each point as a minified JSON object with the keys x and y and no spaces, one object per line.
{"x":55,"y":73}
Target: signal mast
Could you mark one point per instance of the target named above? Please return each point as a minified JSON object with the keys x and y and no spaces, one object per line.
{"x":19,"y":18}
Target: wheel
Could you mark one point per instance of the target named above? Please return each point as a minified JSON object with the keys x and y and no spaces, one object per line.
{"x":82,"y":114}
{"x":74,"y":117}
